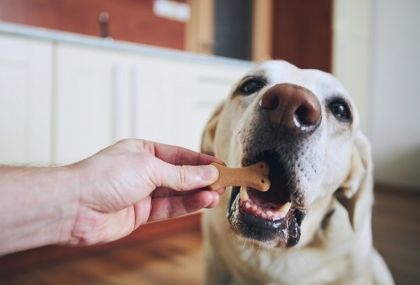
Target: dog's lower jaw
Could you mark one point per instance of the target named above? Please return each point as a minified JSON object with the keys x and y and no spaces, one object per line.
{"x":267,"y":233}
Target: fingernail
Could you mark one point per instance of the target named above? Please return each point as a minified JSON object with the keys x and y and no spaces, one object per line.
{"x":208,"y":173}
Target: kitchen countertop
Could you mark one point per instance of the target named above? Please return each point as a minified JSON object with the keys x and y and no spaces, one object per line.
{"x":90,"y":41}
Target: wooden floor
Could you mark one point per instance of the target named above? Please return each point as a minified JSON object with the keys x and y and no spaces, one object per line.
{"x":178,"y":259}
{"x":396,"y":232}
{"x":171,"y":260}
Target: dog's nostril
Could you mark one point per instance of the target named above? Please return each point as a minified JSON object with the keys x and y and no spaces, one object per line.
{"x":308,"y":114}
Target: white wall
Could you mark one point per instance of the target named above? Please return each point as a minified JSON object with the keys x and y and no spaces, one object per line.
{"x":351,"y":51}
{"x":395,"y":97}
{"x":377,"y":56}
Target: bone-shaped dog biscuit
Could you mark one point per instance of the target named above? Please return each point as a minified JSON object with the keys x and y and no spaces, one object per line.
{"x":254,"y":176}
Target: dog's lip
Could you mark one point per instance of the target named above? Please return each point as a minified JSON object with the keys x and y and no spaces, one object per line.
{"x":283,"y":232}
{"x":260,"y":222}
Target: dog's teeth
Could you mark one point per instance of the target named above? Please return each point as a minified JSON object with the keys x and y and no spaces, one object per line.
{"x":269,"y":214}
{"x":263,"y":215}
{"x":276,"y":216}
{"x":244,"y":194}
{"x":285,"y":208}
{"x":247,"y":205}
{"x":254,"y":207}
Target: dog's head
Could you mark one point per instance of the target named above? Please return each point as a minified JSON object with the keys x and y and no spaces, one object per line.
{"x":305,"y":126}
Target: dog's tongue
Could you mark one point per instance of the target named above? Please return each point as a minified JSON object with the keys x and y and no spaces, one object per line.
{"x":267,"y":200}
{"x":264,"y":205}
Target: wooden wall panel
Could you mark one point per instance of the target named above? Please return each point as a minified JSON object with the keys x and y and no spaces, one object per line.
{"x":302,"y":33}
{"x":262,"y":26}
{"x":130,"y":20}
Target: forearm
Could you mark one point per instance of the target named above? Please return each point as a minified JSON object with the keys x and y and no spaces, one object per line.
{"x":102,"y":198}
{"x":37,"y":206}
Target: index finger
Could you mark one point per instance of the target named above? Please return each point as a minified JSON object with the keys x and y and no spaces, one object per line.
{"x":181,"y":156}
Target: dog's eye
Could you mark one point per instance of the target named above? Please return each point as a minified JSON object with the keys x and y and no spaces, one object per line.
{"x":340,"y":110}
{"x":251,"y":86}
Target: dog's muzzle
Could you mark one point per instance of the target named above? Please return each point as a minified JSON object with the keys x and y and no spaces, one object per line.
{"x":286,"y":115}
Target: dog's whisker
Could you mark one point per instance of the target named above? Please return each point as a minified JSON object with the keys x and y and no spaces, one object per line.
{"x":301,"y":255}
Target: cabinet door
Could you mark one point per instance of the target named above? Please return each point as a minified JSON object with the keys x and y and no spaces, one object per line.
{"x":174,"y":98}
{"x":89,"y":85}
{"x":25,"y":100}
{"x":104,"y":96}
{"x":151,"y":86}
{"x":198,"y":89}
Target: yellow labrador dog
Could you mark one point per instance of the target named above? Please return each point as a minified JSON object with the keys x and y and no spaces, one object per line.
{"x":313,"y":226}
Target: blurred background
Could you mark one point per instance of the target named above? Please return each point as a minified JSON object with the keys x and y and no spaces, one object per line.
{"x":78,"y":75}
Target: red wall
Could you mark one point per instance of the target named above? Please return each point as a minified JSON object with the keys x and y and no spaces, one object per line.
{"x":130,"y":20}
{"x":302,"y":32}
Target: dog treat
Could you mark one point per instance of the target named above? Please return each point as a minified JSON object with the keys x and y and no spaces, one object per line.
{"x":254,"y":176}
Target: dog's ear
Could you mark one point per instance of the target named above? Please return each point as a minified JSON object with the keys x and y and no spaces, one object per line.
{"x":207,"y":139}
{"x":356,"y":193}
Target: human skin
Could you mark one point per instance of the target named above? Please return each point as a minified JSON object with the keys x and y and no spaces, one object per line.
{"x":104,"y":197}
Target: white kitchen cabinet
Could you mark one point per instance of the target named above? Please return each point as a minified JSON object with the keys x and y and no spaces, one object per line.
{"x":176,"y":97}
{"x":103,"y":96}
{"x":87,"y":82}
{"x":199,"y":90}
{"x":25,"y":101}
{"x":64,"y":97}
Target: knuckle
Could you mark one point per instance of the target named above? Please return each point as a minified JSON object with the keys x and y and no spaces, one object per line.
{"x":183,"y":177}
{"x":124,"y":141}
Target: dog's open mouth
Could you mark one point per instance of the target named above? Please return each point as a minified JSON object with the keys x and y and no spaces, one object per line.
{"x":269,"y":217}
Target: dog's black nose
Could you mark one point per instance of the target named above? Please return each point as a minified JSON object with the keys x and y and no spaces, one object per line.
{"x":291,"y":107}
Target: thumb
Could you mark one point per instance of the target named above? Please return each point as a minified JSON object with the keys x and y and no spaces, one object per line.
{"x":187,"y":177}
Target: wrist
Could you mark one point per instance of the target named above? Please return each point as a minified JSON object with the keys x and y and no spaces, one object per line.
{"x":67,"y":203}
{"x":37,"y":206}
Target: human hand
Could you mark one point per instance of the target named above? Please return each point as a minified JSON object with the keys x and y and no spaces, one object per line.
{"x":136,"y":181}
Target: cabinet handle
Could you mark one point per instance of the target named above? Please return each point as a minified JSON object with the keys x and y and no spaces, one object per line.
{"x":117,"y":103}
{"x":136,"y":102}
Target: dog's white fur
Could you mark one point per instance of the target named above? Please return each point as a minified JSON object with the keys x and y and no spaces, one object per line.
{"x":340,"y":253}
